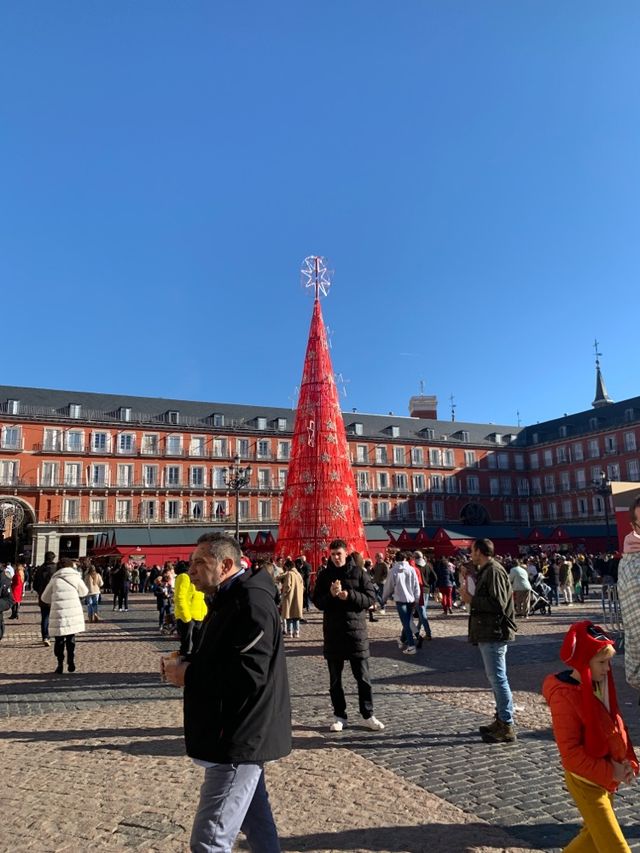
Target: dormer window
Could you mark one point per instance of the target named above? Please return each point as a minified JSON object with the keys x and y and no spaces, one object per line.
{"x":75,"y":410}
{"x":281,"y":424}
{"x":394,"y":431}
{"x":13,"y":407}
{"x":124,"y":413}
{"x":428,"y":433}
{"x":464,"y":435}
{"x":629,"y":414}
{"x":218,"y":420}
{"x":563,"y":431}
{"x":497,"y":437}
{"x":173,"y":417}
{"x":593,"y":423}
{"x":261,"y":423}
{"x":535,"y":438}
{"x":357,"y":428}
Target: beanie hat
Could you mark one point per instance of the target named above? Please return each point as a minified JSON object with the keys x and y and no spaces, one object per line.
{"x":582,"y":642}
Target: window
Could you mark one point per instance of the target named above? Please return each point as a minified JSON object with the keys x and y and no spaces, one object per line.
{"x":494,"y":486}
{"x":418,"y":482}
{"x":519,"y":461}
{"x":470,"y":458}
{"x":383,"y":509}
{"x":357,"y":428}
{"x":100,"y":442}
{"x":492,"y":461}
{"x":71,"y":509}
{"x":365,"y":510}
{"x":13,"y":407}
{"x":534,"y":460}
{"x":581,"y":479}
{"x":398,"y":455}
{"x":611,"y":443}
{"x":243,"y":509}
{"x":548,"y":458}
{"x":535,"y":438}
{"x":220,"y":509}
{"x":196,"y":509}
{"x":198,"y":446}
{"x":149,"y":475}
{"x":523,"y":486}
{"x":363,"y":480}
{"x":435,"y":457}
{"x":497,"y":437}
{"x":284,"y":450}
{"x":536,"y":486}
{"x":52,"y":439}
{"x":148,"y":510}
{"x":150,"y":445}
{"x":578,"y":452}
{"x":173,"y":417}
{"x":629,"y":415}
{"x":565,"y":481}
{"x":583,"y":507}
{"x":561,"y":454}
{"x":281,"y":424}
{"x":264,"y":510}
{"x":73,"y":474}
{"x":172,"y":510}
{"x":537,"y":512}
{"x":593,"y":448}
{"x":123,"y":510}
{"x":428,"y":433}
{"x":242,"y":448}
{"x":437,"y":510}
{"x":524,"y":514}
{"x":473,"y":485}
{"x":49,"y":475}
{"x":261,"y":423}
{"x":503,"y":460}
{"x":97,"y":509}
{"x":75,"y":410}
{"x":125,"y":475}
{"x":567,"y":509}
{"x":448,"y":458}
{"x":593,"y":423}
{"x":174,"y":445}
{"x":75,"y":440}
{"x":8,"y":472}
{"x":196,"y":476}
{"x":505,"y":485}
{"x":633,"y":470}
{"x":563,"y":431}
{"x":394,"y":431}
{"x":421,"y":511}
{"x":417,"y":456}
{"x":218,"y":478}
{"x":451,"y":485}
{"x":172,"y":475}
{"x":613,"y":471}
{"x":381,"y":455}
{"x":282,"y":478}
{"x":264,"y":478}
{"x":629,"y":441}
{"x":552,"y":510}
{"x":126,"y":442}
{"x":383,"y":480}
{"x":549,"y":483}
{"x":464,"y":435}
{"x":436,"y":482}
{"x":11,"y":438}
{"x":218,"y":420}
{"x":508,"y":512}
{"x":124,"y":413}
{"x":596,"y":470}
{"x":220,"y":448}
{"x":263,"y":449}
{"x":362,"y":453}
{"x":401,"y":482}
{"x":99,"y":475}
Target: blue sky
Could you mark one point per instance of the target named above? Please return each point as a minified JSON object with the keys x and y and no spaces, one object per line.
{"x":469,"y":169}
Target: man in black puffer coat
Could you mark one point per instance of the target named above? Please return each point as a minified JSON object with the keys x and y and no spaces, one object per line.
{"x":344,"y":593}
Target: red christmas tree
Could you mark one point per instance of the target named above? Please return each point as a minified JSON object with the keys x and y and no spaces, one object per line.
{"x":320,"y":501}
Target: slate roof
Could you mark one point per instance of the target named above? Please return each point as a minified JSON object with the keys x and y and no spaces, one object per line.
{"x":609,"y":416}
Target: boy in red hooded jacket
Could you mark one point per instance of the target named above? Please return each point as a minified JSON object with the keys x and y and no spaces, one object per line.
{"x":594,"y":743}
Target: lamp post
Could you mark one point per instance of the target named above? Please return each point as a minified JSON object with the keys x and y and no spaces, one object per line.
{"x":237,"y":477}
{"x":603,"y":488}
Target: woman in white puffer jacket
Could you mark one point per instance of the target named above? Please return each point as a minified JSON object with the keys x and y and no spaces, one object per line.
{"x":63,"y":594}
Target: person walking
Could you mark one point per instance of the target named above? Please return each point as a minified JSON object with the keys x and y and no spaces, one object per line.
{"x":41,"y":578}
{"x":344,"y":593}
{"x":94,"y":584}
{"x":521,"y":585}
{"x":402,"y":584}
{"x":63,"y":594}
{"x":380,"y":574}
{"x":237,"y":712}
{"x":190,"y":609}
{"x":6,"y":599}
{"x":491,"y":626}
{"x":292,"y":599}
{"x":444,"y":573}
{"x":17,"y":589}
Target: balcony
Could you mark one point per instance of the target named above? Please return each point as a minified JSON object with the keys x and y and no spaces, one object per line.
{"x":57,"y":447}
{"x":12,"y":446}
{"x":224,"y":521}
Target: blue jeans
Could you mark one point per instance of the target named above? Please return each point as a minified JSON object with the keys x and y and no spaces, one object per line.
{"x":293,"y":625}
{"x":92,"y":605}
{"x":494,"y":658}
{"x":234,"y":797}
{"x":423,"y":619}
{"x":405,"y":612}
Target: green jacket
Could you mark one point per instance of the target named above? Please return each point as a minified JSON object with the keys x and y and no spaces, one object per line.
{"x":492,"y":615}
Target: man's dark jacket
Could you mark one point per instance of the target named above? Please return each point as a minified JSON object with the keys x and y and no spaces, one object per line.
{"x":344,"y":623}
{"x":492,"y":615}
{"x":236,"y":695}
{"x":41,"y":578}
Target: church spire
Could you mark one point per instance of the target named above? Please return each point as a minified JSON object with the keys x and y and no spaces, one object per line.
{"x":601,"y":398}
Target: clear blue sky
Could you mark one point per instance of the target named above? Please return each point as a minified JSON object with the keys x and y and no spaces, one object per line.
{"x":470,"y":169}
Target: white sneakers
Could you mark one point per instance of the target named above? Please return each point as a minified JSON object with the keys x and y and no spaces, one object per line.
{"x":410,"y":650}
{"x":372,"y":723}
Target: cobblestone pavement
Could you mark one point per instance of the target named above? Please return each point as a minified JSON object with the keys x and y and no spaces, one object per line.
{"x":95,"y":760}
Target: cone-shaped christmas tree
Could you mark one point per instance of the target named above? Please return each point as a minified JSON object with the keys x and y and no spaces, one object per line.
{"x":320,"y":501}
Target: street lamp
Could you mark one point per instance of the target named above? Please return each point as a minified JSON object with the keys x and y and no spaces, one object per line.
{"x":235,"y":478}
{"x":603,"y":488}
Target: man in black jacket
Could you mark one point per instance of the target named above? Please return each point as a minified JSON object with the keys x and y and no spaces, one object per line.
{"x":41,"y":578}
{"x":344,"y":593}
{"x":492,"y":625}
{"x":237,"y":712}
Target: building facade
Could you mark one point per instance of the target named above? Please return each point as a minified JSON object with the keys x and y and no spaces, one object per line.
{"x":80,"y":463}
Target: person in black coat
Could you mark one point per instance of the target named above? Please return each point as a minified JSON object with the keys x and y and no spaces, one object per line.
{"x":344,"y":593}
{"x":237,"y":711}
{"x":41,"y":578}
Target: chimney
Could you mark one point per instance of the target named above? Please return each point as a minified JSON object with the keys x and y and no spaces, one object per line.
{"x":424,"y":406}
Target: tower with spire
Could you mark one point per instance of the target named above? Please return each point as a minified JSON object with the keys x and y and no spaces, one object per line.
{"x":602,"y":398}
{"x":320,"y":501}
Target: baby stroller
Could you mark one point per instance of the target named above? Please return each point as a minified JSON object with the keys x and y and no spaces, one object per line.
{"x":540,"y":599}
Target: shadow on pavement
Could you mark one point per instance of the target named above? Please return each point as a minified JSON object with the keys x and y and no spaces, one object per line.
{"x":54,"y":735}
